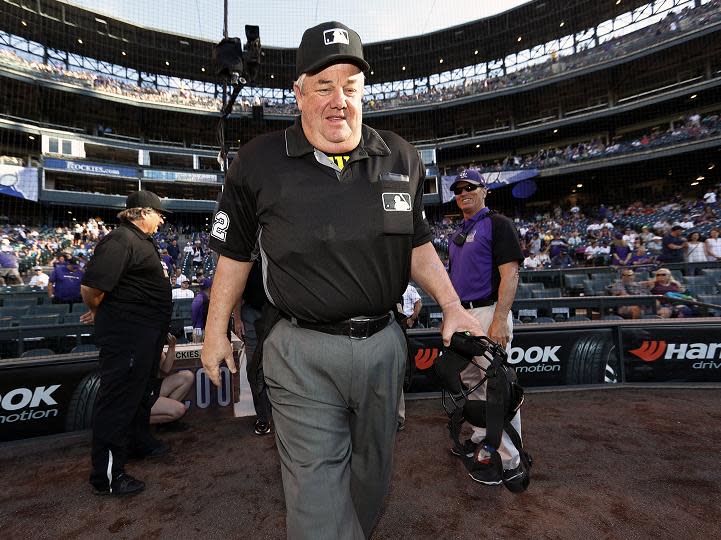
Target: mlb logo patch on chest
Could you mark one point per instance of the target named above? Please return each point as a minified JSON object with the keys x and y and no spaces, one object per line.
{"x":396,"y":202}
{"x":335,"y":35}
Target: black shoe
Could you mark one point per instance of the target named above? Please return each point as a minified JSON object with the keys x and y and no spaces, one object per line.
{"x":401,"y":425}
{"x":261,"y":428}
{"x":159,"y":450}
{"x":122,"y":484}
{"x":487,"y":467}
{"x":518,"y":479}
{"x":469,"y":448}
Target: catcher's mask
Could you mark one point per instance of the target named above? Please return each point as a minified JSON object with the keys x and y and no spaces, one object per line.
{"x":504,"y":396}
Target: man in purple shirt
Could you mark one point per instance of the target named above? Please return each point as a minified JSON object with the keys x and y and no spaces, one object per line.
{"x":484,"y":257}
{"x":64,"y":286}
{"x":199,"y":307}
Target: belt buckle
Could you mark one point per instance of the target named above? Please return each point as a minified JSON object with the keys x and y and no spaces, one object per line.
{"x":359,"y":328}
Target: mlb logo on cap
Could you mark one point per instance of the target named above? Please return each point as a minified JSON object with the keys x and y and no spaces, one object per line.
{"x":335,"y":35}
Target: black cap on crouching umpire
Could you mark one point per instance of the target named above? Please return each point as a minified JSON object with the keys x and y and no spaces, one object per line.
{"x":329,"y":43}
{"x":145,"y":199}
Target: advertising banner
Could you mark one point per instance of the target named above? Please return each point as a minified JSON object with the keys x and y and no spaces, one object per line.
{"x":86,"y":167}
{"x":20,"y":182}
{"x":680,"y":353}
{"x":176,"y":176}
{"x":540,"y":358}
{"x":35,"y":399}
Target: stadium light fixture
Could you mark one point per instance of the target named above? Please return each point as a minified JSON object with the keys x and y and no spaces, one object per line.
{"x":694,"y":183}
{"x":372,"y":72}
{"x":440,"y":61}
{"x":475,"y":52}
{"x":618,"y":2}
{"x":700,"y":178}
{"x":24,"y":23}
{"x":555,"y":130}
{"x":519,"y":39}
{"x":403,"y":68}
{"x":123,"y":53}
{"x":711,"y":167}
{"x":31,"y":137}
{"x":579,"y":185}
{"x":478,"y":146}
{"x":203,"y":70}
{"x":80,"y":41}
{"x":272,"y":76}
{"x":693,"y":96}
{"x":167,"y":63}
{"x":562,"y":24}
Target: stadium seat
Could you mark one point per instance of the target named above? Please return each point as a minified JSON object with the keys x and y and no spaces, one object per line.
{"x":516,"y":322}
{"x":6,"y":321}
{"x":611,"y":318}
{"x":591,"y":288}
{"x":543,"y":320}
{"x":714,"y":274}
{"x":52,"y":309}
{"x":578,"y":318}
{"x":699,"y":285}
{"x":711,"y":299}
{"x":19,"y":302}
{"x":40,"y":320}
{"x":15,"y":312}
{"x":573,"y":283}
{"x":546,"y":293}
{"x":85,"y":347}
{"x":37,"y":352}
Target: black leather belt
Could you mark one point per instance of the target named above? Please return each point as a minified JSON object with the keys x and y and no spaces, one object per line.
{"x":478,"y":303}
{"x":355,"y":328}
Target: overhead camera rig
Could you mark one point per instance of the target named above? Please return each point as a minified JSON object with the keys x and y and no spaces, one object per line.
{"x":238,"y":66}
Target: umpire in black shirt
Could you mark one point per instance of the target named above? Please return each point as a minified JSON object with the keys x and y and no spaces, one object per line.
{"x":336,"y":209}
{"x":127,"y":291}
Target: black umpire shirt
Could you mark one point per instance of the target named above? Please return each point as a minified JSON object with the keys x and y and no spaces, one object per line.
{"x":126,"y":266}
{"x":335,"y":243}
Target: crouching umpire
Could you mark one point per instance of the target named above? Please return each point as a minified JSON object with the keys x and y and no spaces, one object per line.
{"x":484,"y":255}
{"x":128,"y":293}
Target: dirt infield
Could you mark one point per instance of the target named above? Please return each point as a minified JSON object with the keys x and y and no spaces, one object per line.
{"x":617,"y":463}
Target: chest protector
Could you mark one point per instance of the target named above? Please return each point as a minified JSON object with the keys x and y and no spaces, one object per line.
{"x":504,"y":397}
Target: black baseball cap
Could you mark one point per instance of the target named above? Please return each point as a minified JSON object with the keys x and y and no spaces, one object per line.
{"x":329,"y":43}
{"x":145,"y":199}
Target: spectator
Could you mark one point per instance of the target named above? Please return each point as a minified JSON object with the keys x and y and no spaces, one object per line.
{"x":663,"y":283}
{"x":640,"y":257}
{"x":532,"y":262}
{"x":620,"y":252}
{"x":168,"y":260}
{"x":174,"y":250}
{"x":199,"y":308}
{"x":197,"y":254}
{"x":411,"y":307}
{"x":170,"y":391}
{"x":557,"y":245}
{"x":628,"y":286}
{"x":64,"y":283}
{"x":674,"y":246}
{"x":710,"y":196}
{"x":9,"y":273}
{"x":713,"y":245}
{"x":40,"y":279}
{"x":562,"y":260}
{"x":696,"y":249}
{"x":184,"y":290}
{"x":178,"y":278}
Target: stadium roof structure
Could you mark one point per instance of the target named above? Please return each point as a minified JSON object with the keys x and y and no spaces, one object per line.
{"x":68,"y":28}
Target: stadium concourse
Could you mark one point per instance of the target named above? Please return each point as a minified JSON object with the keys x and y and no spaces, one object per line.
{"x":608,"y":463}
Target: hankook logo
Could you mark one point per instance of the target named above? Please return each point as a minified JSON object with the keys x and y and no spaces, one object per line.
{"x":650,"y":351}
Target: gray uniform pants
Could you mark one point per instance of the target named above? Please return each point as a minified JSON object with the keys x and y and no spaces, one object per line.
{"x":335,"y":405}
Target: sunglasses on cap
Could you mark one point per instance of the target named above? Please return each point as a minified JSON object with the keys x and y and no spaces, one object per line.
{"x":468,"y":188}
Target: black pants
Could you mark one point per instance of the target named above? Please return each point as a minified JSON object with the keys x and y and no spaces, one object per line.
{"x":129,"y":358}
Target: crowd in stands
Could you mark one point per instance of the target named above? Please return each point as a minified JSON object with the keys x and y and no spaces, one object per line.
{"x":673,"y":24}
{"x":689,"y":128}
